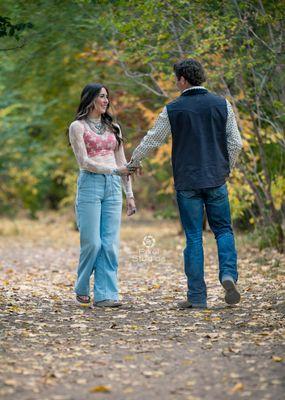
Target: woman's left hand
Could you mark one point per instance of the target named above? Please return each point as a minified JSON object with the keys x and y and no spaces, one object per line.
{"x":123,"y":171}
{"x":131,"y":206}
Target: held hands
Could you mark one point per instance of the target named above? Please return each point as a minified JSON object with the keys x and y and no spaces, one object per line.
{"x":127,"y":170}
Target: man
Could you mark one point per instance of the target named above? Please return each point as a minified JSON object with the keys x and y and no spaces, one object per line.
{"x":205,"y":145}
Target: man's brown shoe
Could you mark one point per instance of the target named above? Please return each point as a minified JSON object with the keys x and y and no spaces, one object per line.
{"x":182,"y":305}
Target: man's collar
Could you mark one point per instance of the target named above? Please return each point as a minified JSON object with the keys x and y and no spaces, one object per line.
{"x":192,"y":91}
{"x":194,"y":87}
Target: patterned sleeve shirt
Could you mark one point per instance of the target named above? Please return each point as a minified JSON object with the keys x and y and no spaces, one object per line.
{"x":159,"y":133}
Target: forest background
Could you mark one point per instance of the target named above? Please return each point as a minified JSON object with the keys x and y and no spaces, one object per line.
{"x":50,"y":49}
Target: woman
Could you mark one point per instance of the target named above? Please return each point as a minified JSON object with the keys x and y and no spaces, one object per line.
{"x":98,"y":147}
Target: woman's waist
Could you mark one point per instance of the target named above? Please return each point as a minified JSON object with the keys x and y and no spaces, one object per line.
{"x":106,"y":163}
{"x":92,"y":177}
{"x":107,"y":160}
{"x":86,"y":172}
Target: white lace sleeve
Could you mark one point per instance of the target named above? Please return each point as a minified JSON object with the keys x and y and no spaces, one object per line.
{"x":234,"y":142}
{"x":121,"y":161}
{"x":76,"y":131}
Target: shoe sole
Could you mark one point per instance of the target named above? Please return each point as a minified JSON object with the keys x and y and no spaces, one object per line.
{"x":113,"y":306}
{"x":82,"y":303}
{"x":192,"y":307}
{"x":78,"y":303}
{"x":232,"y":295}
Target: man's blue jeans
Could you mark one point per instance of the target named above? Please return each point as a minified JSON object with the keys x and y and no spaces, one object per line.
{"x":98,"y":210}
{"x":191,"y":206}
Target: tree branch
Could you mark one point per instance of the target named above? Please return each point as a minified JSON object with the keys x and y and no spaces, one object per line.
{"x":14,"y":48}
{"x":136,"y":75}
{"x":262,"y":41}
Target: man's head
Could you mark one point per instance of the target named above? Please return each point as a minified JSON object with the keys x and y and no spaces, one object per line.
{"x":189,"y":73}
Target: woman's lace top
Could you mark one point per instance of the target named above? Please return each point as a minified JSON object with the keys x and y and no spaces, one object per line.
{"x":98,"y":153}
{"x":100,"y":145}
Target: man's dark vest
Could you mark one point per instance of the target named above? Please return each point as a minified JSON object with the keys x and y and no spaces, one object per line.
{"x":199,"y":149}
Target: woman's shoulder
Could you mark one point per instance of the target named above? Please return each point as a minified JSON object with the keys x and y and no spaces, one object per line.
{"x":76,"y":126}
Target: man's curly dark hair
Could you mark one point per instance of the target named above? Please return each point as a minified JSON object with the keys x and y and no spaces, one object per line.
{"x":191,"y":70}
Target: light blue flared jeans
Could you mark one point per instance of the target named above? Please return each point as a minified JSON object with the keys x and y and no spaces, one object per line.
{"x":98,"y":213}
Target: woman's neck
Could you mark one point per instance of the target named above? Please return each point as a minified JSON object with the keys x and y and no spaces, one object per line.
{"x":94,"y":116}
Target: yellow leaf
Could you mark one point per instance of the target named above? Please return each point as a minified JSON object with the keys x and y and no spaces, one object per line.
{"x":277,"y":359}
{"x":239,"y":386}
{"x":14,"y":308}
{"x":100,"y":389}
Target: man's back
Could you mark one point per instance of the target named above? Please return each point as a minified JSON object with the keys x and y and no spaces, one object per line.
{"x":198,"y":122}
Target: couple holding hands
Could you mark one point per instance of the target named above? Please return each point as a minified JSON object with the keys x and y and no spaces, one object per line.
{"x":205,"y":145}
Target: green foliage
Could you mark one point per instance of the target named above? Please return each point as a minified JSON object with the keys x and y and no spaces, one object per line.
{"x":12,"y":30}
{"x":267,"y":236}
{"x":130,"y":45}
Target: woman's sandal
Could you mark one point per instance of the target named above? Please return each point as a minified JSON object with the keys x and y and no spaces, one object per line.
{"x":81,"y":299}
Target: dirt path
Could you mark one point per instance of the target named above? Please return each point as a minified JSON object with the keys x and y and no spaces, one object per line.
{"x":53,"y":350}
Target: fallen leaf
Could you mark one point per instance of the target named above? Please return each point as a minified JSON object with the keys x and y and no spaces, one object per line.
{"x":277,"y":359}
{"x":128,"y":390}
{"x":238,"y":386}
{"x":11,"y":382}
{"x":100,"y":389}
{"x":81,"y":381}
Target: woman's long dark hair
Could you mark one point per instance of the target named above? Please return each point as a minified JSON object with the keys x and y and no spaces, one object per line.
{"x":86,"y":105}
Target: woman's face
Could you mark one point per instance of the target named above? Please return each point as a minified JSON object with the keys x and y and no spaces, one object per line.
{"x":101,"y":101}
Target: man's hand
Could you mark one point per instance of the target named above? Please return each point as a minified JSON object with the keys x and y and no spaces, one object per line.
{"x":135,"y":170}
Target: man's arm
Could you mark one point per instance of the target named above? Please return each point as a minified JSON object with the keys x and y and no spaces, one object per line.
{"x":234,"y":142}
{"x":154,"y":138}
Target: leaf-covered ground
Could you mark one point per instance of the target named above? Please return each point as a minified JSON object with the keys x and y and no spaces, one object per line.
{"x":52,"y":349}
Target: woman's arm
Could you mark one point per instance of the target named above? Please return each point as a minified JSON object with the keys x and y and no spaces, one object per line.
{"x":121,"y":161}
{"x":76,"y":131}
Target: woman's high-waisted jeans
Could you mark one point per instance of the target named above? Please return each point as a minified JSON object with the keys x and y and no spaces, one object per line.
{"x":98,"y":211}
